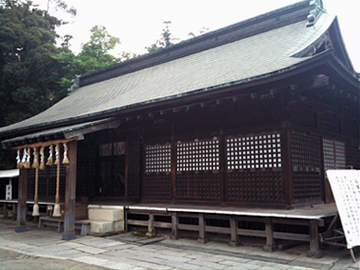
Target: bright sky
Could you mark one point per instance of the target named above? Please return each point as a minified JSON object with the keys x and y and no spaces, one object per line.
{"x":138,"y":23}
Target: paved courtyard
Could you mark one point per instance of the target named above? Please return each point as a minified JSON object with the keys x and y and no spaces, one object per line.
{"x":112,"y":253}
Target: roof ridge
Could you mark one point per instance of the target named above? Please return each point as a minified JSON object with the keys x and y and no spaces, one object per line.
{"x":249,"y":27}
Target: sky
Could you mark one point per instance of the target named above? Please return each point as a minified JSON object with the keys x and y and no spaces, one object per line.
{"x":139,"y":23}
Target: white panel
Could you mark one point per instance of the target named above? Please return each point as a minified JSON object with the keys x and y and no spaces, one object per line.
{"x":346,"y":190}
{"x":8,"y":193}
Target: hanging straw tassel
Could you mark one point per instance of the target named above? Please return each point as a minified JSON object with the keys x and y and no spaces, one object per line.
{"x":18,"y":159}
{"x":36,"y":159}
{"x":57,"y":151}
{"x":23,"y":160}
{"x":57,"y":196}
{"x":50,"y":159}
{"x":42,"y":158}
{"x":27,"y":163}
{"x":36,"y":204}
{"x":66,"y":159}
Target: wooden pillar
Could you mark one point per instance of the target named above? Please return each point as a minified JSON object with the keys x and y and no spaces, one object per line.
{"x":269,"y":231}
{"x":234,"y":241}
{"x":287,"y":168}
{"x":173,"y":171}
{"x":222,"y":171}
{"x":174,"y":226}
{"x":151,"y":230}
{"x":314,"y":251}
{"x":70,"y":193}
{"x":5,"y":210}
{"x":202,"y":225}
{"x":22,"y":197}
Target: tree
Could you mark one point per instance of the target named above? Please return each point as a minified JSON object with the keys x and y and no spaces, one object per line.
{"x":95,"y":54}
{"x":165,"y":40}
{"x":28,"y":71}
{"x":202,"y":31}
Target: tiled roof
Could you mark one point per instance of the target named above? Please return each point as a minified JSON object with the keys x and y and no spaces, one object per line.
{"x":247,"y":58}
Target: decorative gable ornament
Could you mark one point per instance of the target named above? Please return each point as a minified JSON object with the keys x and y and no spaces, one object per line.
{"x":316,"y":9}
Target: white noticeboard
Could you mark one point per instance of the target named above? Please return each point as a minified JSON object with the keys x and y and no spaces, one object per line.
{"x":8,"y":192}
{"x":345,"y":185}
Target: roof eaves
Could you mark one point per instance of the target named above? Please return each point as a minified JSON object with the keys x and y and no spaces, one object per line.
{"x":308,"y":63}
{"x":71,"y":131}
{"x":342,"y":49}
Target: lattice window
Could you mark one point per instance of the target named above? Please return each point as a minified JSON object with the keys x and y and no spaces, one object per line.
{"x":198,"y":155}
{"x":112,"y":149}
{"x":158,"y":158}
{"x":306,"y":161}
{"x":253,"y":152}
{"x":334,"y":154}
{"x":305,"y":153}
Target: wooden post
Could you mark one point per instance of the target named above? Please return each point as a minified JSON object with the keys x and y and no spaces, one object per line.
{"x":22,"y":196}
{"x":173,"y":171}
{"x":174,"y":226}
{"x":314,"y":251}
{"x":222,"y":169}
{"x":269,"y":231}
{"x":5,"y":210}
{"x":70,"y":193}
{"x":287,"y":168}
{"x":151,"y":230}
{"x":234,"y":241}
{"x":202,"y":225}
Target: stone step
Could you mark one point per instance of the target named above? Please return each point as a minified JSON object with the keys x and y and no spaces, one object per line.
{"x":106,"y":227}
{"x":101,"y":214}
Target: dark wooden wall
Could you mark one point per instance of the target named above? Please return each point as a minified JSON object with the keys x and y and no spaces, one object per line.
{"x":191,"y":154}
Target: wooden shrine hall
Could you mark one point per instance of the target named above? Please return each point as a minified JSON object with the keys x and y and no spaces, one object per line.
{"x":216,"y":134}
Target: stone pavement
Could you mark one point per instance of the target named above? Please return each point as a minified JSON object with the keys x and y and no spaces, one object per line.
{"x":167,"y":254}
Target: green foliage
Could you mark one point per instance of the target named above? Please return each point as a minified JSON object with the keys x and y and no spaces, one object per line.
{"x":95,"y":54}
{"x":165,"y":40}
{"x":28,"y":71}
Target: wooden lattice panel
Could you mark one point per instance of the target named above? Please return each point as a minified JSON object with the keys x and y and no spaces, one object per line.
{"x":202,"y":185}
{"x":158,"y":158}
{"x":334,"y":154}
{"x":253,"y":152}
{"x":47,"y":183}
{"x":254,"y":186}
{"x":42,"y":189}
{"x":198,"y":156}
{"x":306,"y":163}
{"x":52,"y":181}
{"x":86,"y":170}
{"x":133,"y":157}
{"x":157,"y":186}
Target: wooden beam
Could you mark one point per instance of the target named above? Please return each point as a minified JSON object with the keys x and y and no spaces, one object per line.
{"x":314,"y":251}
{"x":174,"y":226}
{"x":287,"y":168}
{"x":151,"y":230}
{"x":269,"y":231}
{"x":22,"y":196}
{"x":234,"y":241}
{"x":202,"y":225}
{"x":70,"y":193}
